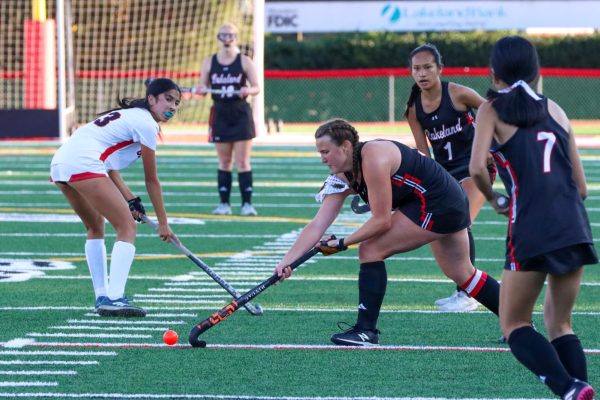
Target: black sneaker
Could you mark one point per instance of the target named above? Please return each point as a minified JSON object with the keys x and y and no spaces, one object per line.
{"x":579,"y":390}
{"x":355,"y":336}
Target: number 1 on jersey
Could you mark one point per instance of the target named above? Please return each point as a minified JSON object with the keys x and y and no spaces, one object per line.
{"x":550,"y":139}
{"x":448,"y":148}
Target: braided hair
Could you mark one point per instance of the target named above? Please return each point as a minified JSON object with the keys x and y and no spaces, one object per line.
{"x":340,"y":130}
{"x":415,"y":89}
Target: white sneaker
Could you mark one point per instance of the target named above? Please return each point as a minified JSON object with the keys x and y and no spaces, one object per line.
{"x":222,"y":209}
{"x":459,"y":301}
{"x":441,"y":302}
{"x":248,"y":210}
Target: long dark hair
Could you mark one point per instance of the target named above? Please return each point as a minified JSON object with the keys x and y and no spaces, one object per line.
{"x":340,"y":130}
{"x":154,"y":87}
{"x":515,"y":59}
{"x":415,"y":90}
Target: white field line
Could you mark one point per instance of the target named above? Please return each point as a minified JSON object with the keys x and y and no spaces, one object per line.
{"x":284,"y":346}
{"x":223,"y":397}
{"x":91,"y":335}
{"x":38,"y":373}
{"x":149,"y":301}
{"x":25,"y":384}
{"x":143,"y":297}
{"x":23,"y":362}
{"x":134,"y":323}
{"x":273,"y":309}
{"x":192,"y":282}
{"x":110,"y":328}
{"x":152,"y":315}
{"x":57,"y":353}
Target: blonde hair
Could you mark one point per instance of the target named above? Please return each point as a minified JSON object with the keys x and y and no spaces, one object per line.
{"x":231,"y":26}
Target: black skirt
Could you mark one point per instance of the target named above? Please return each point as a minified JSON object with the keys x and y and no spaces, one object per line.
{"x":230,"y":121}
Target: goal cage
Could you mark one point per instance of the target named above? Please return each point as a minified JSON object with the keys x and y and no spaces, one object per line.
{"x":72,"y":58}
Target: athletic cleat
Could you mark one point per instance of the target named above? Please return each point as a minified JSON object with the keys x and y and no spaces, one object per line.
{"x":99,"y":301}
{"x":222,"y":209}
{"x":248,"y":210}
{"x":355,"y":336}
{"x":579,"y":390}
{"x":120,"y":308}
{"x":458,"y":302}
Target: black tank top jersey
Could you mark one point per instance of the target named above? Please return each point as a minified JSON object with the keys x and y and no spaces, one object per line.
{"x":418,"y":179}
{"x":449,"y":131}
{"x":546,"y":210}
{"x":227,"y":78}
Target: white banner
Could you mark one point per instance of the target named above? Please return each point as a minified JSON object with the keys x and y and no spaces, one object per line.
{"x":351,"y":16}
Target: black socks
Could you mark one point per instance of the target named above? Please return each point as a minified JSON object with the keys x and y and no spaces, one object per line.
{"x":245,"y":182}
{"x":372,"y":283}
{"x":224,"y":185}
{"x":539,"y":356}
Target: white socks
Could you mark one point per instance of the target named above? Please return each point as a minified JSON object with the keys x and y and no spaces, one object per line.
{"x":95,"y":254}
{"x":120,"y":264}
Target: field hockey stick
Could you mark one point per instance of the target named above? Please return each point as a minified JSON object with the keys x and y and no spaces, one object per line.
{"x":252,"y":309}
{"x":357,"y":208}
{"x":193,"y":90}
{"x":199,"y":329}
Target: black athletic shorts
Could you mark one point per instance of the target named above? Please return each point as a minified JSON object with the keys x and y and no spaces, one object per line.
{"x":230,"y":121}
{"x":560,"y":261}
{"x":449,"y":220}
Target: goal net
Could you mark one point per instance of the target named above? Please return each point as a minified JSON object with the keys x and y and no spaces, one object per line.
{"x":110,"y":47}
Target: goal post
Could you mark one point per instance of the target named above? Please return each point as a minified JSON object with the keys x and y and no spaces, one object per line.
{"x":106,"y":49}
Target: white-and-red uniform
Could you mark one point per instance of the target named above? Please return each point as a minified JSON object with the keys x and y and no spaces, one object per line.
{"x":110,"y":142}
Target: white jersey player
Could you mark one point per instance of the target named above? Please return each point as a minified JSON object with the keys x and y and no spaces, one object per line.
{"x":86,"y":169}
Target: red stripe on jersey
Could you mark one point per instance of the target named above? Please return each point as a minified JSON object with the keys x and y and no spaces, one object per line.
{"x":114,"y":148}
{"x":475,"y":286}
{"x":415,"y":183}
{"x":503,"y":161}
{"x":85,"y":175}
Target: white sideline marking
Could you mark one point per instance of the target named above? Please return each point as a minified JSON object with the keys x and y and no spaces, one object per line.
{"x":164,"y":315}
{"x":224,"y":397}
{"x":91,"y":335}
{"x":22,"y":362}
{"x":56,"y":353}
{"x":109,"y":328}
{"x":113,"y":322}
{"x":24,"y":384}
{"x":183,"y":296}
{"x":38,"y":373}
{"x":286,"y":309}
{"x":18,"y":343}
{"x":294,"y":347}
{"x":146,"y":301}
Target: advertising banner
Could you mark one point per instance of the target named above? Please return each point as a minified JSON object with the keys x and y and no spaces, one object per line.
{"x":352,"y":16}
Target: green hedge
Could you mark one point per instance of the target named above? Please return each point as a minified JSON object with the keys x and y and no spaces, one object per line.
{"x":390,"y":49}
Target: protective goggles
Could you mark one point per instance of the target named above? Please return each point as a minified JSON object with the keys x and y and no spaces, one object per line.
{"x":223,"y":36}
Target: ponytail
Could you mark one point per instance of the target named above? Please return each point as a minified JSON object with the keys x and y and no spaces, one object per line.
{"x":414,"y":92}
{"x":517,"y":106}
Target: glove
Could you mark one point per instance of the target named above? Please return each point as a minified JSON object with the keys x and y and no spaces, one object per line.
{"x":135,"y":204}
{"x":329,"y":250}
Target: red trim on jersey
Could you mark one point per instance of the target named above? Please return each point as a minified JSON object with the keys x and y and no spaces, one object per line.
{"x":417,"y":182}
{"x":478,"y":285}
{"x":114,"y":148}
{"x":211,"y":120}
{"x":85,"y":175}
{"x":511,"y":247}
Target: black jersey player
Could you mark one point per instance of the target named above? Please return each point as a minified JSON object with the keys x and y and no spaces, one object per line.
{"x":427,"y":206}
{"x":549,"y":235}
{"x":441,"y":114}
{"x":231,"y":77}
